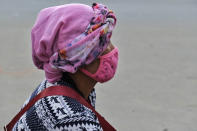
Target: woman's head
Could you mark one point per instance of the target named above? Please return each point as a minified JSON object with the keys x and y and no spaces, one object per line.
{"x":66,"y":37}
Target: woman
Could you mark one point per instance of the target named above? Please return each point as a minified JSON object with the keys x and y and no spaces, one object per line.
{"x":71,"y":43}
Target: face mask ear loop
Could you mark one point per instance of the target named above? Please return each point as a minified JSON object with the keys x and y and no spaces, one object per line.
{"x":89,"y":73}
{"x":111,"y":52}
{"x":86,"y":72}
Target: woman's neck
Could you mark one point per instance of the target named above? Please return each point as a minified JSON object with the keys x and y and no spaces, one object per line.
{"x":84,"y":83}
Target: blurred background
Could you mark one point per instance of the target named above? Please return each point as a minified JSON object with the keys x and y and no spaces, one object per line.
{"x":156,"y":83}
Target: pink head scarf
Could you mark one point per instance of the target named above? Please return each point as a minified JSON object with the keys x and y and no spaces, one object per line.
{"x":69,"y":36}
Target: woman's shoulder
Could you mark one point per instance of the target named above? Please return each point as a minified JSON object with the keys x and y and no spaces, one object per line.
{"x":69,"y":113}
{"x":59,"y":112}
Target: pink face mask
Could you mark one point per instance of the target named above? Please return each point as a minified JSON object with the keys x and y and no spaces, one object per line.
{"x":107,"y":67}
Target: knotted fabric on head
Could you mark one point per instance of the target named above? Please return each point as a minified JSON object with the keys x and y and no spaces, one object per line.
{"x":69,"y":36}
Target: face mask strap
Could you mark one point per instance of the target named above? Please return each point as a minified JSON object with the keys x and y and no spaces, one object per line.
{"x":87,"y":72}
{"x":109,"y":53}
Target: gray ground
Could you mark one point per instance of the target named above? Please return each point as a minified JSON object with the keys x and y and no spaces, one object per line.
{"x":156,"y":83}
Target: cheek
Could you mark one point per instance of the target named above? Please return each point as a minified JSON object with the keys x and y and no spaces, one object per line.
{"x":92,"y":67}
